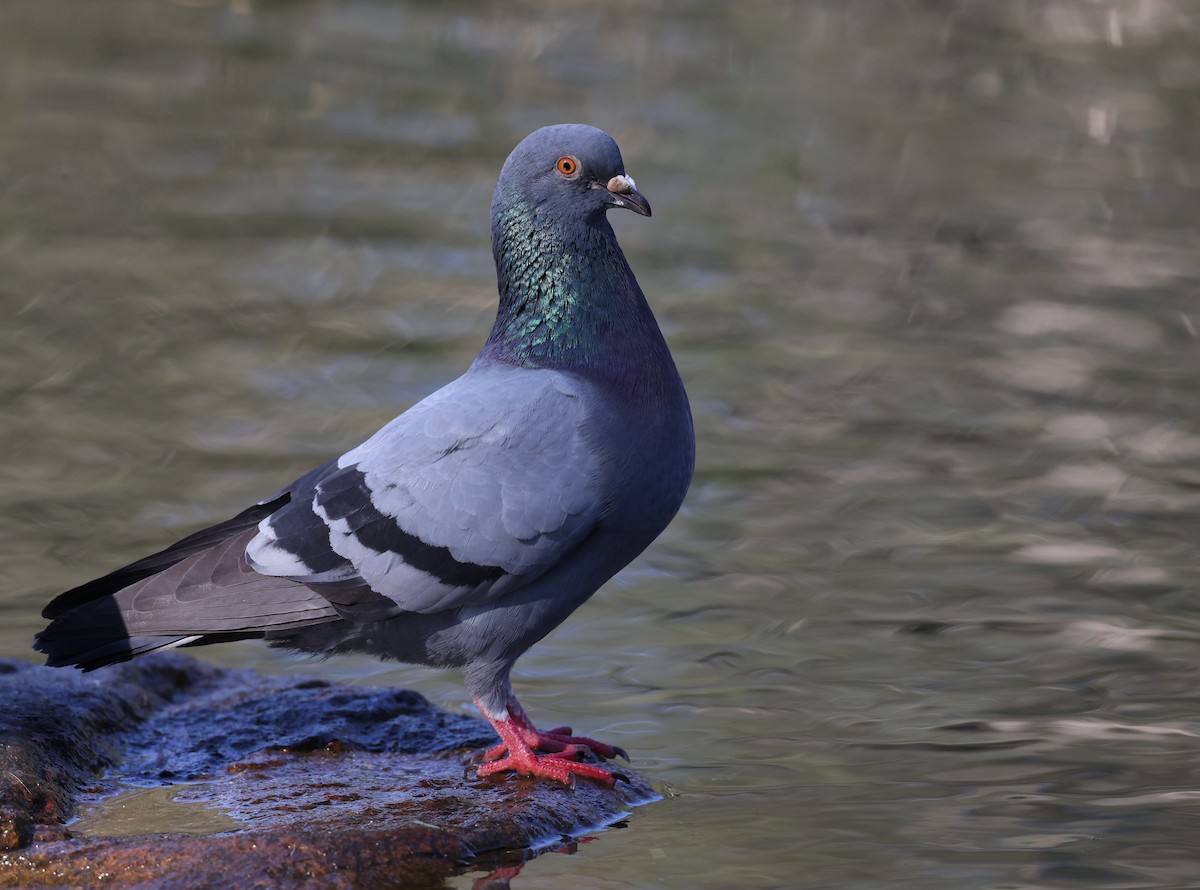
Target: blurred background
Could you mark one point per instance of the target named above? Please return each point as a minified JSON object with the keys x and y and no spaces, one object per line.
{"x":929,"y":268}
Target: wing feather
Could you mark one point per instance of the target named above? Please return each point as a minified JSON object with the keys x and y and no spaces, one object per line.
{"x":471,"y":493}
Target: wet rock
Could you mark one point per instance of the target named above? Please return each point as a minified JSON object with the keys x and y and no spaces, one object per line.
{"x":331,"y":785}
{"x":57,"y":730}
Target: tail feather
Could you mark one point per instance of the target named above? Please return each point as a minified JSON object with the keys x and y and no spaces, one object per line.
{"x":90,"y":654}
{"x":151,"y":565}
{"x":196,"y":543}
{"x":209,"y":595}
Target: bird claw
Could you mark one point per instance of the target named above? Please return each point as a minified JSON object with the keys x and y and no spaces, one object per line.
{"x":549,"y":741}
{"x":559,"y":742}
{"x":551,"y":754}
{"x":551,"y":766}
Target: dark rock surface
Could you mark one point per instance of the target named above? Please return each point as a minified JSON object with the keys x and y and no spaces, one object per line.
{"x":335,"y":786}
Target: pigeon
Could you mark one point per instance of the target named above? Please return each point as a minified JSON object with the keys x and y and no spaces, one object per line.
{"x":473,"y":524}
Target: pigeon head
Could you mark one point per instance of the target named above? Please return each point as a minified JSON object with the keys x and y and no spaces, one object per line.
{"x":564,"y":172}
{"x":568,"y":298}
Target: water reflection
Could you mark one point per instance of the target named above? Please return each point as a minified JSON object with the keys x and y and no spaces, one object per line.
{"x":929,"y":614}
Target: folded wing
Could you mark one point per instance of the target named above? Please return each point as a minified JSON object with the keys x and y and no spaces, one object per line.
{"x":470,"y":494}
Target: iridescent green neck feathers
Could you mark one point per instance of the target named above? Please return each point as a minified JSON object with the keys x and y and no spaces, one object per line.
{"x":568,"y":298}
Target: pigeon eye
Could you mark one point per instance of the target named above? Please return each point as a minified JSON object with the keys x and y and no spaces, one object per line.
{"x":567,"y":165}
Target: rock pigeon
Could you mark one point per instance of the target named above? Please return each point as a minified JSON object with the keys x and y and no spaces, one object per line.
{"x":474,"y":523}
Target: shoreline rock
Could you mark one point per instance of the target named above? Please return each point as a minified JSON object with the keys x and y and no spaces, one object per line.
{"x":336,"y":785}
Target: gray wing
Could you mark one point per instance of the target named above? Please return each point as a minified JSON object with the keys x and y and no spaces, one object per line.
{"x":470,"y":494}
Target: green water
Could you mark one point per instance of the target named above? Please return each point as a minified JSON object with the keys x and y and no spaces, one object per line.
{"x":929,"y":616}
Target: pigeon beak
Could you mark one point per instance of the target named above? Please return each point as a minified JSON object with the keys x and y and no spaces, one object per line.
{"x":622,"y":192}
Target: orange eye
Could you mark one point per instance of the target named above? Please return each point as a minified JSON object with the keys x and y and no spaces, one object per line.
{"x":566,"y":165}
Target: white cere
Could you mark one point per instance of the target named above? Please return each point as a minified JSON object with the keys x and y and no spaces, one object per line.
{"x":622,"y":184}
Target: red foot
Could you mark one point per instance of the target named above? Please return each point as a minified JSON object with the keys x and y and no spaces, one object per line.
{"x":498,"y":880}
{"x":556,"y":741}
{"x":520,"y":739}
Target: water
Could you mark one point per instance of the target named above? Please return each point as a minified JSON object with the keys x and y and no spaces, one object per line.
{"x":929,"y":615}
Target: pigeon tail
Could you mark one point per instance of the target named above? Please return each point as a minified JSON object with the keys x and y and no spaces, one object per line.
{"x":209,"y":596}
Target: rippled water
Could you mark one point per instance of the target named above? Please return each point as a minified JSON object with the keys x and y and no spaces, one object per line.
{"x":929,"y":617}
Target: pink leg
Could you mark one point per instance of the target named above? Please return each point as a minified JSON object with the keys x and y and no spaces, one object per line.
{"x":520,"y":739}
